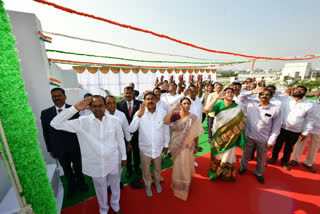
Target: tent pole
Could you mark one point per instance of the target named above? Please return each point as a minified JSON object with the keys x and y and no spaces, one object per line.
{"x":11,"y":169}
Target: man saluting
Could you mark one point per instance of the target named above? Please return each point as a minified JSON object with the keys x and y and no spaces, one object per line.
{"x":99,"y":136}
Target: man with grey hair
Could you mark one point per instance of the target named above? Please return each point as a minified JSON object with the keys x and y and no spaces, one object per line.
{"x":100,"y":135}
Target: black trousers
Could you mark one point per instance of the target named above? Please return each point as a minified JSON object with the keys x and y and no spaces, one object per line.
{"x":136,"y":155}
{"x":210,"y":124}
{"x":74,"y":158}
{"x":203,"y":116}
{"x":289,"y":139}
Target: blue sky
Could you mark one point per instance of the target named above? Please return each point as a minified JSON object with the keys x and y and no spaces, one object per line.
{"x":261,"y":28}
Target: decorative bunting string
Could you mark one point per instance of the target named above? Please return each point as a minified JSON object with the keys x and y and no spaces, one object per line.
{"x":137,"y":60}
{"x":124,"y":47}
{"x":161,"y":35}
{"x":44,"y":38}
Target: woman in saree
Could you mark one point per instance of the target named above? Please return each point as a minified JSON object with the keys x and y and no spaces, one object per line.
{"x":228,"y":133}
{"x":186,"y":129}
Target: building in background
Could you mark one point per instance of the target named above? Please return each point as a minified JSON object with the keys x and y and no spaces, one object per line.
{"x":297,"y":71}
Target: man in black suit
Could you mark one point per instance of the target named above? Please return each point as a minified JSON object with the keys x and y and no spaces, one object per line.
{"x":63,"y":145}
{"x":129,"y":107}
{"x":135,"y":92}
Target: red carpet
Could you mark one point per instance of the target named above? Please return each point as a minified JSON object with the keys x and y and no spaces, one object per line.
{"x":294,"y":191}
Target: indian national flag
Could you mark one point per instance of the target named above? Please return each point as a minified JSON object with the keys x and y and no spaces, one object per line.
{"x":44,"y":38}
{"x":80,"y":86}
{"x":55,"y":82}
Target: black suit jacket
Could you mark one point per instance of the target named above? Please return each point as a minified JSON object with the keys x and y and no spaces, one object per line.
{"x":58,"y":141}
{"x":123,"y":106}
{"x":136,"y":93}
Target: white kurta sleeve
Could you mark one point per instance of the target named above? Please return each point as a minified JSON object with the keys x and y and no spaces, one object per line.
{"x":134,"y":125}
{"x":125,"y":127}
{"x":166,"y":136}
{"x":62,"y":122}
{"x":119,"y":137}
{"x":308,"y":122}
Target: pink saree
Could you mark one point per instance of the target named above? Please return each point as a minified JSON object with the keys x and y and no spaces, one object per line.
{"x":182,"y":145}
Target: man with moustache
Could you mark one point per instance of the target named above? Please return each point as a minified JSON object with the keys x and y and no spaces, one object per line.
{"x":135,"y":92}
{"x":196,"y":105}
{"x":160,"y":103}
{"x":314,"y":137}
{"x":111,"y":109}
{"x":237,"y":89}
{"x":101,"y":138}
{"x":263,"y":125}
{"x":172,"y":97}
{"x":297,"y":122}
{"x":63,"y":145}
{"x":129,"y":106}
{"x":154,"y":139}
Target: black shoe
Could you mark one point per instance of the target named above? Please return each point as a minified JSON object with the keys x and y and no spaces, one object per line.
{"x":241,"y":171}
{"x":139,"y":173}
{"x":200,"y":149}
{"x":83,"y":187}
{"x":70,"y":194}
{"x":272,"y":161}
{"x":128,"y":173}
{"x":285,"y":166}
{"x":121,"y":185}
{"x":293,"y":163}
{"x":136,"y":184}
{"x":260,"y":179}
{"x":310,"y":168}
{"x":251,"y":158}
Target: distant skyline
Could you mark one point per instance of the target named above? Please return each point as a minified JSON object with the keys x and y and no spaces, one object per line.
{"x":261,"y":28}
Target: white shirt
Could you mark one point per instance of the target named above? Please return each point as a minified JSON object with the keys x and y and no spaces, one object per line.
{"x":57,"y":108}
{"x":99,"y":141}
{"x":153,"y":133}
{"x":240,"y":104}
{"x":275,"y":101}
{"x":124,"y":123}
{"x":263,"y":124}
{"x":211,"y":97}
{"x":85,"y":112}
{"x":296,"y":116}
{"x":316,"y":117}
{"x":163,"y":105}
{"x":171,"y":100}
{"x":131,"y":103}
{"x":196,"y":108}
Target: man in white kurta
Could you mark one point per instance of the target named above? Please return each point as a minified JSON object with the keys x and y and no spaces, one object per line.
{"x":99,"y":136}
{"x":160,"y":102}
{"x":196,"y":105}
{"x":172,"y":97}
{"x":314,"y":137}
{"x":111,"y":109}
{"x":154,"y":139}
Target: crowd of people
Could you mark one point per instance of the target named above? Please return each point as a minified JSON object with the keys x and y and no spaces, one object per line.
{"x":167,"y":120}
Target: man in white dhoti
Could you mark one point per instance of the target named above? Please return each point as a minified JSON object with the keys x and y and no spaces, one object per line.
{"x":154,"y":139}
{"x":99,"y":136}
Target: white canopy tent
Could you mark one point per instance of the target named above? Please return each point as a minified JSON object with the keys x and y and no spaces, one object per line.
{"x":96,"y":82}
